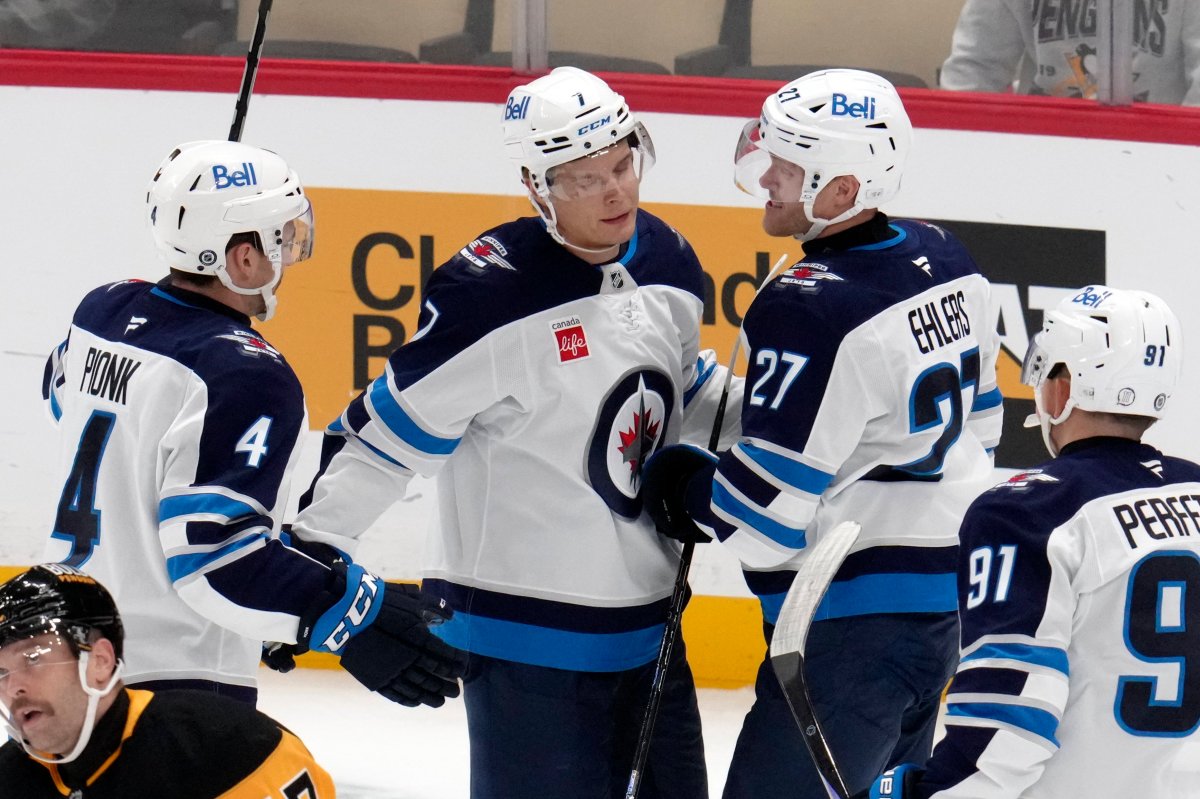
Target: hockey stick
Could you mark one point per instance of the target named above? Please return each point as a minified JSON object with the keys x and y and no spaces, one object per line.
{"x":787,"y":645}
{"x":675,"y":609}
{"x":251,"y":71}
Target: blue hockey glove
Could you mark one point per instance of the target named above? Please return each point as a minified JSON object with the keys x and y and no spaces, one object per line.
{"x":675,"y":479}
{"x":897,"y":783}
{"x":381,"y":631}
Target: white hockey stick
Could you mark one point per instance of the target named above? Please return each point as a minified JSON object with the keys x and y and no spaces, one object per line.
{"x":787,"y":645}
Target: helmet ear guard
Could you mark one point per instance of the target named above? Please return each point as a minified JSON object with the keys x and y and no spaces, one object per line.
{"x":1122,"y":348}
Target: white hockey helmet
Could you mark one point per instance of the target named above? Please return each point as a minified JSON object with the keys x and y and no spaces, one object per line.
{"x":830,"y":123}
{"x":1123,"y":349}
{"x":204,"y":192}
{"x":560,"y":117}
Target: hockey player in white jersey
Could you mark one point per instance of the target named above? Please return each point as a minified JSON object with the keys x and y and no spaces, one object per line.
{"x":871,"y":396}
{"x":1079,"y":583}
{"x":554,"y":354}
{"x":179,"y":430}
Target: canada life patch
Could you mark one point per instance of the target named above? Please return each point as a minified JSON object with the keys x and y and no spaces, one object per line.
{"x":570,"y":338}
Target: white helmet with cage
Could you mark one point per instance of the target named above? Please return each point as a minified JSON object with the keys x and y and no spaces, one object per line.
{"x":1123,"y":349}
{"x":830,"y":123}
{"x":204,"y":192}
{"x":563,"y":116}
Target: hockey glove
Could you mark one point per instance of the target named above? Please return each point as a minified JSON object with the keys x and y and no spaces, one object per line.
{"x":897,"y":783}
{"x":381,"y":631}
{"x":676,"y":478}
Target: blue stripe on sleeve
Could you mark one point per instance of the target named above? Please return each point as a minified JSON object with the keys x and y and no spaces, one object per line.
{"x":544,"y":646}
{"x":402,"y":425}
{"x":889,"y":593}
{"x":1038,"y":722}
{"x":193,"y":504}
{"x":779,"y":533}
{"x":181,"y":566}
{"x":987,"y":400}
{"x":55,"y":408}
{"x":702,"y":376}
{"x":1048,"y":656}
{"x":789,"y":470}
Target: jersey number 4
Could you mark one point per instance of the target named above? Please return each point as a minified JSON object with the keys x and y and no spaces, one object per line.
{"x":1162,"y":627}
{"x":77,"y":519}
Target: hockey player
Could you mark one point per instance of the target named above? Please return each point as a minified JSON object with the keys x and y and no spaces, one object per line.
{"x":179,"y":428}
{"x":871,"y":396}
{"x":1079,"y":583}
{"x":75,"y":728}
{"x":553,"y":355}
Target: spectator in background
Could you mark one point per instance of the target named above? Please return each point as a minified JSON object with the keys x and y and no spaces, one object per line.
{"x":1049,"y":47}
{"x":52,"y":23}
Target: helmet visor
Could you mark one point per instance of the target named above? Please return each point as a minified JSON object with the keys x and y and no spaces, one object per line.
{"x":28,"y":656}
{"x":297,"y":238}
{"x":1036,"y":363}
{"x":751,"y":160}
{"x":594,"y":174}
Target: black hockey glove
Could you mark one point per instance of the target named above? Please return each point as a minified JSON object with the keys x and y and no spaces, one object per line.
{"x":675,"y":478}
{"x":381,"y":631}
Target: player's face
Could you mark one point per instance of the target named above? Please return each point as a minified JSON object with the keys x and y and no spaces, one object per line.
{"x":596,"y":198}
{"x":40,"y":690}
{"x":783,"y":215}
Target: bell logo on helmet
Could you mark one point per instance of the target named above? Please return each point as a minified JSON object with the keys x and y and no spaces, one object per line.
{"x":223,"y":178}
{"x":516,"y":109}
{"x":863,"y":110}
{"x":1090,"y":297}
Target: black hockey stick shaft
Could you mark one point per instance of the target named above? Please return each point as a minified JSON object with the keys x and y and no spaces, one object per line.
{"x":679,"y":595}
{"x":674,"y":618}
{"x":252,"y":57}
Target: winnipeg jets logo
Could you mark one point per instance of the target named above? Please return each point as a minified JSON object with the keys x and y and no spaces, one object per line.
{"x":134,"y":323}
{"x":251,"y":344}
{"x":637,"y":440}
{"x":485,"y":251}
{"x":1023,"y":481}
{"x":808,"y":277}
{"x":1154,"y":466}
{"x":922,"y":263}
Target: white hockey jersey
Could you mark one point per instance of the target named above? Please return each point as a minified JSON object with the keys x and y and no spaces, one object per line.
{"x":178,"y":436}
{"x":870,"y":396}
{"x":535,"y":388}
{"x":1079,"y":585}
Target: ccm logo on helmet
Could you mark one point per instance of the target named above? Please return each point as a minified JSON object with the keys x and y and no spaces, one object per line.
{"x":516,"y":109}
{"x":223,"y":178}
{"x":599,"y":123}
{"x":863,"y":110}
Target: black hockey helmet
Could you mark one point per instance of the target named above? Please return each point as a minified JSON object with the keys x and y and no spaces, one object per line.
{"x":54,"y":598}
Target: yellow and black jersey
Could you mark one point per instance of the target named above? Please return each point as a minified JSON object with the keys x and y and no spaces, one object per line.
{"x":178,"y":744}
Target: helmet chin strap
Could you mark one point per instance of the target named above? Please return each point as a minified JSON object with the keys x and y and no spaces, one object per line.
{"x":818,"y":225}
{"x":1046,"y":422}
{"x":89,"y":720}
{"x":551,"y":220}
{"x":267,"y":291}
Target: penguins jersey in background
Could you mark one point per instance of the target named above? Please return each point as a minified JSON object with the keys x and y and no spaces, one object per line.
{"x":1079,"y":589}
{"x":535,"y":387}
{"x":178,"y":744}
{"x":837,"y":343}
{"x":178,"y":430}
